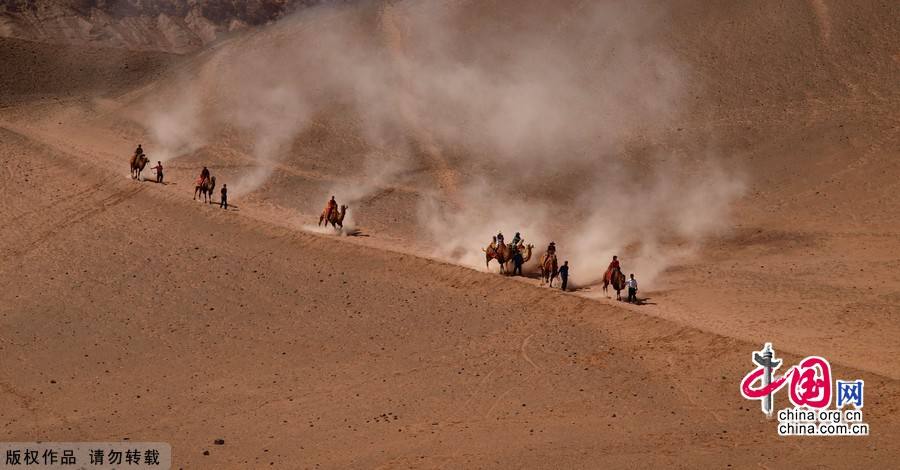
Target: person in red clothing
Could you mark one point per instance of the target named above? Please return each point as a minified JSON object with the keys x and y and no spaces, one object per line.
{"x":613,"y":266}
{"x":330,"y":208}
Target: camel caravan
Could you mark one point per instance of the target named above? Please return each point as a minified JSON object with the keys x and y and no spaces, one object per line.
{"x":518,"y":253}
{"x":205,"y":186}
{"x":205,"y":183}
{"x":510,"y":256}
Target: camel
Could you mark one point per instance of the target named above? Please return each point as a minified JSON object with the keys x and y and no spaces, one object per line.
{"x":336,"y":218}
{"x":501,"y":253}
{"x":549,"y":269}
{"x":205,"y":189}
{"x":138,"y":162}
{"x":504,"y":254}
{"x":617,"y":279}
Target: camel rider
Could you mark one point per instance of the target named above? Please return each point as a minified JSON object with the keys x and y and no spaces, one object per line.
{"x":204,"y":175}
{"x":613,"y":267}
{"x":500,"y":239}
{"x":138,"y":151}
{"x":614,"y":264}
{"x":551,"y":248}
{"x":330,"y":207}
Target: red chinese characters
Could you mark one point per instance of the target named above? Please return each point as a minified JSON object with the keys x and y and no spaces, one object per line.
{"x":810,"y":383}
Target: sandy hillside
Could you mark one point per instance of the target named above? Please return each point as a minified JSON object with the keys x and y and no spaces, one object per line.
{"x":746,"y":170}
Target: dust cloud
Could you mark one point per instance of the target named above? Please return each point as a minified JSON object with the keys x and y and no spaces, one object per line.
{"x":526,"y":116}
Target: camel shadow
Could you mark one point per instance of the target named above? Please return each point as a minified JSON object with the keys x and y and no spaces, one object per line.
{"x":355,"y":233}
{"x":218,"y":205}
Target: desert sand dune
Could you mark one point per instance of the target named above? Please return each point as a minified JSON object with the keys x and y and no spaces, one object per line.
{"x":130,"y":311}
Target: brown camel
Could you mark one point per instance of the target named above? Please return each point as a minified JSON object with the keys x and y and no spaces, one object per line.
{"x":527,"y":256}
{"x":205,"y":189}
{"x":336,"y":218}
{"x":138,"y":162}
{"x":617,"y":279}
{"x":549,"y":269}
{"x":502,"y":253}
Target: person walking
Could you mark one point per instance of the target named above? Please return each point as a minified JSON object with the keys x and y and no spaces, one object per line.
{"x":159,"y":171}
{"x":564,"y":275}
{"x":518,"y":261}
{"x":631,"y":283}
{"x":223,"y":202}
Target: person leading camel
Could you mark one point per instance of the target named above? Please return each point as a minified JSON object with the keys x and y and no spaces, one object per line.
{"x":564,"y":275}
{"x":632,"y":289}
{"x":159,"y":171}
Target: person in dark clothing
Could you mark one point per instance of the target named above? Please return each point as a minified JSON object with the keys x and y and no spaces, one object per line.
{"x":138,"y":151}
{"x":518,"y":261}
{"x":223,"y":203}
{"x":564,"y":275}
{"x":159,"y":171}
